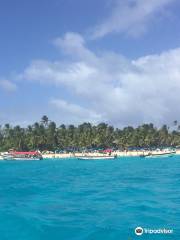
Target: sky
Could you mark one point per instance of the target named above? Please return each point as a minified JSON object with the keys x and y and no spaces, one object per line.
{"x":113,"y":61}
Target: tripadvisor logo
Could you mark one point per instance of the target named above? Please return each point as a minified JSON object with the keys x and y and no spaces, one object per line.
{"x":139,"y":231}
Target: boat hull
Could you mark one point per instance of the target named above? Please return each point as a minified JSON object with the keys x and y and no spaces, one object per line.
{"x":13,"y":158}
{"x":22,"y":159}
{"x":96,"y":158}
{"x":160,"y":155}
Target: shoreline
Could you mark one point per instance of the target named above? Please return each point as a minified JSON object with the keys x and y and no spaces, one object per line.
{"x":115,"y":153}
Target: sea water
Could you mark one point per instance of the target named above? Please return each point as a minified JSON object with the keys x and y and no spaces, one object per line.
{"x":73,"y":199}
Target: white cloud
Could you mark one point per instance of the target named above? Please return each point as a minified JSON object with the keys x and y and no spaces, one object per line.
{"x":113,"y":89}
{"x":131,"y":17}
{"x":7,"y":85}
{"x":73,"y":42}
{"x":73,"y":113}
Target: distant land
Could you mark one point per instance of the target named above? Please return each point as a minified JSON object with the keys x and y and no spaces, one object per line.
{"x":46,"y":135}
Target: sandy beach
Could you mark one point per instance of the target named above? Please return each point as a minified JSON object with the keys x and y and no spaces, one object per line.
{"x":114,"y":153}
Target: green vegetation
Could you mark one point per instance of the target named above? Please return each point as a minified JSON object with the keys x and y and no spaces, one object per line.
{"x":45,"y":135}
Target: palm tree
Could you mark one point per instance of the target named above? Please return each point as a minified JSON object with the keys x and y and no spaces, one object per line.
{"x":45,"y":120}
{"x":45,"y":135}
{"x":19,"y":136}
{"x":52,"y":136}
{"x":175,"y":122}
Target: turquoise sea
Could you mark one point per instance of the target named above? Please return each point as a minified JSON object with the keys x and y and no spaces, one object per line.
{"x":89,"y":200}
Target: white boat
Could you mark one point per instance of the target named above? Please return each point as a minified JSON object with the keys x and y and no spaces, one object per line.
{"x":96,"y":157}
{"x":159,"y":154}
{"x":23,"y":156}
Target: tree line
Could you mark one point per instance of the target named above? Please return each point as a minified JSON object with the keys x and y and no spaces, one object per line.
{"x":46,"y":135}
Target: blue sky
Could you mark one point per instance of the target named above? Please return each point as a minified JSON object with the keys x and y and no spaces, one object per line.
{"x":108,"y":60}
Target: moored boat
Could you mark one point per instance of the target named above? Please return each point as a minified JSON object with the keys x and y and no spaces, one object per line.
{"x":24,"y":156}
{"x":159,"y":154}
{"x":97,"y":157}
